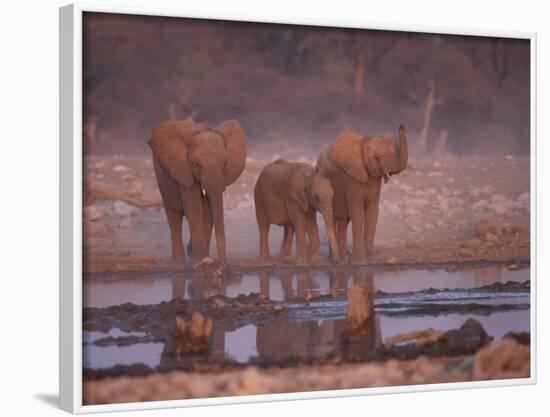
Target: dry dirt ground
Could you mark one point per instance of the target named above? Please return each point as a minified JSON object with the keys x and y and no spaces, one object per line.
{"x":438,"y":210}
{"x":502,"y":359}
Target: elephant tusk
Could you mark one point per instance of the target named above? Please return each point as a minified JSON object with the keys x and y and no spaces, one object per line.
{"x":386,"y":177}
{"x":203,"y":192}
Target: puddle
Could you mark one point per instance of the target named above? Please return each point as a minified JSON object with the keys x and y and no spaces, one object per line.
{"x":286,"y":285}
{"x":404,"y":301}
{"x":299,"y":339}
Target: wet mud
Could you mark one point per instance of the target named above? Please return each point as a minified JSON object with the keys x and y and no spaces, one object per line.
{"x":301,"y":323}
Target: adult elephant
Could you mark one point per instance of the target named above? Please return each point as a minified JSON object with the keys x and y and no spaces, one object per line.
{"x":356,"y":165}
{"x":289,"y":195}
{"x":193,"y":165}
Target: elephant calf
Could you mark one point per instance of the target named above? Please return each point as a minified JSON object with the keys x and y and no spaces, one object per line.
{"x":289,"y":194}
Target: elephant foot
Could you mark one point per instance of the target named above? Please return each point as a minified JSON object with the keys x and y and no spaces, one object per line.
{"x":358,"y":260}
{"x":341,"y":261}
{"x":266,"y":261}
{"x":178,"y":263}
{"x":315,"y":259}
{"x":286,"y":259}
{"x":301,"y":262}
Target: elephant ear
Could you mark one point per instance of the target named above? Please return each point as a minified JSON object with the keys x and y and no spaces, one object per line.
{"x":296,"y":183}
{"x":347,"y":154}
{"x":325,"y":165}
{"x":169,"y":148}
{"x":235,"y":144}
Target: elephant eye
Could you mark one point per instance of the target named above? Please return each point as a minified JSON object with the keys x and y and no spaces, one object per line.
{"x":197,"y":164}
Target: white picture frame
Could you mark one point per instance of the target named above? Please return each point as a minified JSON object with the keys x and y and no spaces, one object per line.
{"x":71,"y":154}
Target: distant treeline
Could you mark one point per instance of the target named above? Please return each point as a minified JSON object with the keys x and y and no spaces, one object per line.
{"x":301,"y":83}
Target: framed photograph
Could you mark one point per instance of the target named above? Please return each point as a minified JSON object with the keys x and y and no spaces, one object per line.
{"x":268,"y":210}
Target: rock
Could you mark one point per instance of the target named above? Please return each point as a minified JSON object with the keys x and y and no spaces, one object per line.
{"x":437,"y":164}
{"x":392,"y":260}
{"x":444,"y":205}
{"x":466,"y":253}
{"x":93,"y":213}
{"x":481,"y":204}
{"x":501,"y":207}
{"x":360,"y":309}
{"x":100,"y":164}
{"x":124,"y":209}
{"x":120,"y":169}
{"x":417,"y":203}
{"x":509,"y":157}
{"x":453,"y":212}
{"x":278,"y":308}
{"x":470,"y":337}
{"x":244,"y":204}
{"x":250,"y":382}
{"x":513,"y":267}
{"x":129,"y":177}
{"x":484,"y":226}
{"x":476,"y":243}
{"x":491,"y":237}
{"x":487,"y":189}
{"x":391,"y":208}
{"x":502,"y":360}
{"x":524,"y":201}
{"x":435,"y":174}
{"x":413,"y":213}
{"x":496,"y":198}
{"x":208,"y":268}
{"x":191,"y":336}
{"x":420,"y":337}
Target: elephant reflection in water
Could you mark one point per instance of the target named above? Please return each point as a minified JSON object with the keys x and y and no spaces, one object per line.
{"x":198,"y":288}
{"x":314,"y":338}
{"x":372,"y":338}
{"x":306,"y":284}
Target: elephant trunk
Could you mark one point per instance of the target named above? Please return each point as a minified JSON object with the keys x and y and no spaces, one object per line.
{"x":401,"y":162}
{"x":214,"y":193}
{"x":328,"y":218}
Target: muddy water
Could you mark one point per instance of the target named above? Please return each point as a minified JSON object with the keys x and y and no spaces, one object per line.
{"x":280,"y":286}
{"x":314,"y":329}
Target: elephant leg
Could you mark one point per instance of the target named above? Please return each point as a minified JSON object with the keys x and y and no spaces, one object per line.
{"x":286,"y":247}
{"x":263,"y":226}
{"x":313,"y":235}
{"x":342,"y":237}
{"x":175,"y":221}
{"x":264,"y":284}
{"x":371,"y":219}
{"x":301,"y":242}
{"x":264,"y":240}
{"x":357,"y":214}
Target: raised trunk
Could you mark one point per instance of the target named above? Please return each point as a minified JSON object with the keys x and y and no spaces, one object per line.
{"x":328,"y":218}
{"x":401,"y":161}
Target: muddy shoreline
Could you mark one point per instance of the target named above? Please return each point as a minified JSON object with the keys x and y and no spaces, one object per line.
{"x":236,"y":268}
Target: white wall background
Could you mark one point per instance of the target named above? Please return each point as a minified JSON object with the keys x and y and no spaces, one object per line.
{"x":29,"y":201}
